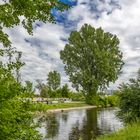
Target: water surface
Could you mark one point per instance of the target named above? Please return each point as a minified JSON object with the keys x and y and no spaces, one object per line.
{"x":76,"y":124}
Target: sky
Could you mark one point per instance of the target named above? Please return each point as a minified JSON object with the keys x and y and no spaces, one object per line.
{"x":41,"y":51}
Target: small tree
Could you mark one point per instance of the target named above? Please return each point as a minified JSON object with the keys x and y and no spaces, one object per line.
{"x":92,"y":59}
{"x":43,"y":88}
{"x":29,"y":87}
{"x":16,"y":121}
{"x":65,"y":91}
{"x":53,"y":80}
{"x":138,"y":75}
{"x":129,"y":100}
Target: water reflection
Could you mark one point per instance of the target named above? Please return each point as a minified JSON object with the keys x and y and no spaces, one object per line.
{"x":76,"y":124}
{"x":52,"y":126}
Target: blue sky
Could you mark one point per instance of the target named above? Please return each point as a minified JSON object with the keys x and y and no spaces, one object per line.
{"x":41,"y":51}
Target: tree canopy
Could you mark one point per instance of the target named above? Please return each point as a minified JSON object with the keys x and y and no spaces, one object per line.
{"x":92,"y":58}
{"x":53,"y":80}
{"x":26,"y":12}
{"x":43,"y":88}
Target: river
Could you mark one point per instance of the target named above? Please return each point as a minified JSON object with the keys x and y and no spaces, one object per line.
{"x":81,"y":124}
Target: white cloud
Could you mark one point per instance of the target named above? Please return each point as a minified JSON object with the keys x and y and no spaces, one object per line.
{"x":41,"y":51}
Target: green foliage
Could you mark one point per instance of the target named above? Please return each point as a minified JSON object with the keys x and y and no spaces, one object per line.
{"x":103,"y":101}
{"x":55,"y":93}
{"x":29,"y":87}
{"x":113,"y":100}
{"x":18,"y":65}
{"x":16,"y":122}
{"x":65,"y":91}
{"x":138,"y":76}
{"x":77,"y":96}
{"x":30,"y":10}
{"x":130,"y":132}
{"x":53,"y":80}
{"x":92,"y":59}
{"x":129,"y":100}
{"x":43,"y":88}
{"x":9,"y":88}
{"x":46,"y":91}
{"x":45,"y":107}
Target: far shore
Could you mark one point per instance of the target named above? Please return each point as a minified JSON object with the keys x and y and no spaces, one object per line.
{"x":68,"y":109}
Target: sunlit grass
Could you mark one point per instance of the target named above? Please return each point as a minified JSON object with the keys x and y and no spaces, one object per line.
{"x":45,"y":107}
{"x":130,"y":132}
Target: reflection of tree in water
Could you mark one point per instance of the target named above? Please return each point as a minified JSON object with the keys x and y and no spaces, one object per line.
{"x":89,"y":130}
{"x":75,"y":132}
{"x":65,"y":117}
{"x":90,"y":127}
{"x":52,"y":127}
{"x":107,"y":120}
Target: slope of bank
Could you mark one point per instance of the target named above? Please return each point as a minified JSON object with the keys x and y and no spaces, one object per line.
{"x":70,"y":108}
{"x":130,"y":132}
{"x":60,"y":106}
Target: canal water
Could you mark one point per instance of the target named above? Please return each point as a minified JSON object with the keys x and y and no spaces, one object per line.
{"x":81,"y":124}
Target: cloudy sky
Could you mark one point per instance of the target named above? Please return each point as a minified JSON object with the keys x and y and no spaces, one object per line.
{"x":41,"y":51}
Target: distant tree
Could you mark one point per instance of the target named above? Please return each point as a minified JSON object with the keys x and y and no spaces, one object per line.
{"x":92,"y":59}
{"x":138,"y":76}
{"x":19,"y":64}
{"x":55,"y":93}
{"x":65,"y":91}
{"x":43,"y":88}
{"x":29,"y":87}
{"x":53,"y":80}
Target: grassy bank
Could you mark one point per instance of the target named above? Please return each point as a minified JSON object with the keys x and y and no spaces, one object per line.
{"x":130,"y":132}
{"x":44,"y":107}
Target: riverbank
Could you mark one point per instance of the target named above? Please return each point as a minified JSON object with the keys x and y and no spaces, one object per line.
{"x":69,"y":108}
{"x":59,"y":106}
{"x":130,"y":132}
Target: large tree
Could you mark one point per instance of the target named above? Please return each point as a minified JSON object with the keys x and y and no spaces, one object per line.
{"x":26,"y":12}
{"x":54,"y":80}
{"x":92,"y":59}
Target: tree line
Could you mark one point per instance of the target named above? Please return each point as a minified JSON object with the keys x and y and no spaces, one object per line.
{"x":52,"y":88}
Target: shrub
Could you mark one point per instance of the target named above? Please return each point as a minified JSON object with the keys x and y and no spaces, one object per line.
{"x":129,"y":101}
{"x":76,"y":96}
{"x":113,"y":100}
{"x":103,"y":101}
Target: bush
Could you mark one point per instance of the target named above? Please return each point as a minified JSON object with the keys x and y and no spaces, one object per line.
{"x":16,"y":121}
{"x":103,"y":101}
{"x":113,"y":100}
{"x":129,"y":101}
{"x":76,"y":96}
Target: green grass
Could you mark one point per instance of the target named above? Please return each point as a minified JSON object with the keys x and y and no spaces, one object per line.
{"x":130,"y":132}
{"x":44,"y":107}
